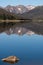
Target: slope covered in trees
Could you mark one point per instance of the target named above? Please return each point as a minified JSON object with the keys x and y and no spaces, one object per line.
{"x":6,"y":15}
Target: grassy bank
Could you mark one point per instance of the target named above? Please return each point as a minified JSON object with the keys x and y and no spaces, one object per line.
{"x":16,"y":21}
{"x":10,"y":20}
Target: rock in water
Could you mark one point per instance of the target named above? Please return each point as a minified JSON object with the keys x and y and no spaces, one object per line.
{"x":11,"y":59}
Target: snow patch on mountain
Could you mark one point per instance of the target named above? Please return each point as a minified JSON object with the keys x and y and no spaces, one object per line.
{"x":20,"y":9}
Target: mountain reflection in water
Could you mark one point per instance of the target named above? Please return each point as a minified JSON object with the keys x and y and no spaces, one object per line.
{"x":29,"y":49}
{"x":21,"y":28}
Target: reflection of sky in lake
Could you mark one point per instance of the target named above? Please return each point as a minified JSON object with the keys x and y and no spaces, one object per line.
{"x":28,"y":48}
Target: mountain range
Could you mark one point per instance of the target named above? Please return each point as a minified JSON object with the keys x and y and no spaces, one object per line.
{"x":21,"y":12}
{"x":36,"y":13}
{"x":20,"y":9}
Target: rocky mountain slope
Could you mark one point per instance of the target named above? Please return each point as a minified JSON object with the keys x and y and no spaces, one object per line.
{"x":7,"y":15}
{"x":36,"y":13}
{"x":19,"y":9}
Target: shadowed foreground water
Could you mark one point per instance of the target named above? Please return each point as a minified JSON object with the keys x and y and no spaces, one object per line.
{"x":17,"y":40}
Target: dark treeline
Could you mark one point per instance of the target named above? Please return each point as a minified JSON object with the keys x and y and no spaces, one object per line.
{"x":7,"y":15}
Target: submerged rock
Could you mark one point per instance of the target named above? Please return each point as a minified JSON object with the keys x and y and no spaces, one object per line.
{"x":11,"y":59}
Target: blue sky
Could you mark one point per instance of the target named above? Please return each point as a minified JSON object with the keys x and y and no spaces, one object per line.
{"x":20,"y":2}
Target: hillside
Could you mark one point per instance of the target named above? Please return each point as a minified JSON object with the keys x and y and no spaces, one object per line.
{"x":6,"y":15}
{"x":36,"y":13}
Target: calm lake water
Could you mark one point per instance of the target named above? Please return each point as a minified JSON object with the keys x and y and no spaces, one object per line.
{"x":23,"y":41}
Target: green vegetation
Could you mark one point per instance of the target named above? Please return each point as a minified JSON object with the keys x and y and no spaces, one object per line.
{"x":5,"y":15}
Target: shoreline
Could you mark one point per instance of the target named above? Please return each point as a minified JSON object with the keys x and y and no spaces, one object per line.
{"x":14,"y":21}
{"x":10,"y":20}
{"x":18,"y":21}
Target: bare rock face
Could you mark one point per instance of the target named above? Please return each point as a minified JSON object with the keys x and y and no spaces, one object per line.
{"x":11,"y":59}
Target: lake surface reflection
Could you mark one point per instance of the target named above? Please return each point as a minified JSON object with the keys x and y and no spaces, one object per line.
{"x":24,"y":40}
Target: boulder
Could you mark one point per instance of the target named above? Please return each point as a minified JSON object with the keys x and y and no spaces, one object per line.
{"x":11,"y":59}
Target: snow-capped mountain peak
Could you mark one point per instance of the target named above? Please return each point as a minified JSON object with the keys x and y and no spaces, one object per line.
{"x":30,"y":7}
{"x":20,"y":9}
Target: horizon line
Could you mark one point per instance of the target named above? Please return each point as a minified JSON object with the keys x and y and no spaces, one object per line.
{"x":19,"y":4}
